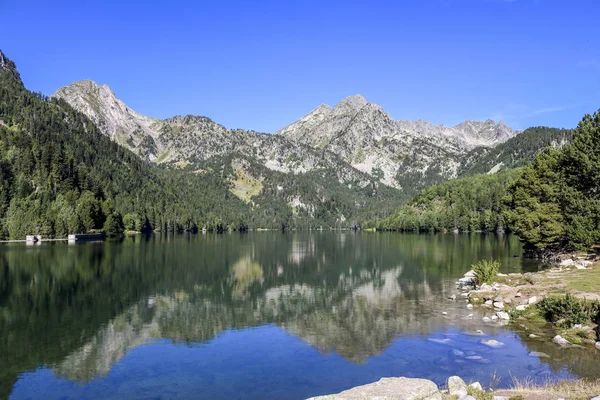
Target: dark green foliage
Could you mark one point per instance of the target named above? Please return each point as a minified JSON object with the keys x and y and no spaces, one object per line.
{"x":113,"y":225}
{"x":466,"y":204}
{"x":566,"y":311}
{"x":486,"y":271}
{"x":555,"y":205}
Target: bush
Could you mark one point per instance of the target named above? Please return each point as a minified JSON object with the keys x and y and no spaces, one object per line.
{"x":566,"y":311}
{"x":486,"y":271}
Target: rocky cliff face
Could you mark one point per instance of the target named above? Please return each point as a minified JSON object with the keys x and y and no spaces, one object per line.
{"x":400,"y":153}
{"x":355,"y":137}
{"x":9,"y":66}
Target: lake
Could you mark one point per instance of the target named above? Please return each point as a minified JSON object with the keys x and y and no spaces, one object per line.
{"x":256,"y":316}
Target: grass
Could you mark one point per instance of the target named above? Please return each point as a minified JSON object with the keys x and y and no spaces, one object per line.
{"x":577,"y":389}
{"x":245,"y":186}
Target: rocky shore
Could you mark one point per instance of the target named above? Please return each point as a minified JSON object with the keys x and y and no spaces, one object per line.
{"x":456,"y":389}
{"x":512,"y":297}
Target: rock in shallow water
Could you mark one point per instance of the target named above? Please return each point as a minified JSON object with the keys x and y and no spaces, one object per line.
{"x":561,"y":341}
{"x":538,"y":354}
{"x":391,"y":389}
{"x":492,"y":343}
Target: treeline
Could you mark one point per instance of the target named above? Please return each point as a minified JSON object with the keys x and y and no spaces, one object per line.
{"x":555,"y":203}
{"x":468,"y":204}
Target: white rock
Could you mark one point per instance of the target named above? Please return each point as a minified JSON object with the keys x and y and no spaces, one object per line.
{"x":567,"y":262}
{"x":464,"y":294}
{"x":444,"y":313}
{"x":476,"y":386}
{"x":597,"y":345}
{"x":533,"y":336}
{"x":470,"y":274}
{"x":486,"y":319}
{"x":500,"y":398}
{"x":390,"y":388}
{"x":492,"y":343}
{"x":485,"y":288}
{"x":521,"y":307}
{"x":559,"y":340}
{"x":453,"y":297}
{"x":596,"y":398}
{"x":532,"y":300}
{"x":469,"y":306}
{"x":456,"y":386}
{"x":467,"y":397}
{"x":494,"y":318}
{"x":489,"y":303}
{"x":503,"y":315}
{"x":499,"y":305}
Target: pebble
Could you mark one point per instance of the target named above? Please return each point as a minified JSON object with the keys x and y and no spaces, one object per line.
{"x":453,"y":297}
{"x":444,"y":313}
{"x":532,"y":335}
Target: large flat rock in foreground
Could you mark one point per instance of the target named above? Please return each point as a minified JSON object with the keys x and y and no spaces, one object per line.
{"x":390,"y":389}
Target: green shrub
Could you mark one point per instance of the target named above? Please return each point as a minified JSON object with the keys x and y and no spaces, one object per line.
{"x":566,"y":311}
{"x":486,"y":271}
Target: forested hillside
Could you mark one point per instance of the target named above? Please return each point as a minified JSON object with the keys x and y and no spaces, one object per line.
{"x":515,"y":152}
{"x":467,"y":204}
{"x":59,"y":174}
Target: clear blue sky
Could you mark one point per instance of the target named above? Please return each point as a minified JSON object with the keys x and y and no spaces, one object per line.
{"x":263,"y":64}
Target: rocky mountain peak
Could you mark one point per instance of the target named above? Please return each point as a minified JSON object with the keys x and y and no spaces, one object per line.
{"x":7,"y":65}
{"x":355,"y":102}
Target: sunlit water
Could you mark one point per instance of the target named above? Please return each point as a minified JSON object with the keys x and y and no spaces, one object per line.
{"x":255,"y":316}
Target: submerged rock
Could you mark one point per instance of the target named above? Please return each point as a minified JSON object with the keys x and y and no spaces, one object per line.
{"x":492,"y":343}
{"x":391,"y":389}
{"x":538,"y":354}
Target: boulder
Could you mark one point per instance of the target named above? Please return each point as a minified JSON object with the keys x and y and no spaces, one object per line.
{"x":489,"y":303}
{"x":598,"y":345}
{"x":390,"y":389}
{"x":503,"y":315}
{"x":499,"y":305}
{"x":561,"y":341}
{"x":532,"y":300}
{"x":470,"y":274}
{"x":456,"y":386}
{"x":485,"y":288}
{"x":476,"y":386}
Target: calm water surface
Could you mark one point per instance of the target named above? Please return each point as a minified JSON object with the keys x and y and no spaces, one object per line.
{"x":254,"y":316}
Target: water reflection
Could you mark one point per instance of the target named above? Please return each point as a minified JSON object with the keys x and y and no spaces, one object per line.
{"x":81,"y":309}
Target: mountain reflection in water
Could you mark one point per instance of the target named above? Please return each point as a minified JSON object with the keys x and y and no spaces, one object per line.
{"x":352,"y":306}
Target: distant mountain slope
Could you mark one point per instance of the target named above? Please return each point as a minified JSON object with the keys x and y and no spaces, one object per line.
{"x":515,"y":152}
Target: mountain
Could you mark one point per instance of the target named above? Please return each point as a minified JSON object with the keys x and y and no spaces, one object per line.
{"x":62,"y":171}
{"x":404,"y":154}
